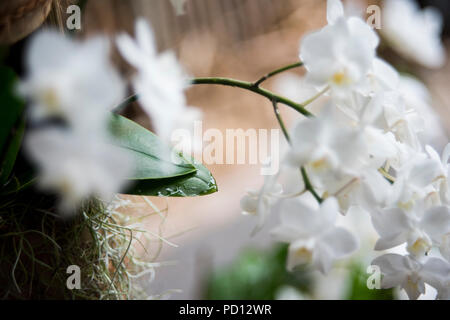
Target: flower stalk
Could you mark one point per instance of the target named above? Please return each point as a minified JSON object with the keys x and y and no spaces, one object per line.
{"x":278,"y":71}
{"x":256,"y":89}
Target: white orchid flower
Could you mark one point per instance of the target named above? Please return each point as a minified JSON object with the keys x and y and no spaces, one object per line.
{"x":442,"y":172}
{"x":381,"y":77}
{"x":312,"y":234}
{"x":415,"y":182}
{"x":414,"y":33}
{"x":417,"y":97}
{"x":160,"y":81}
{"x":420,"y":229}
{"x":325,"y":146}
{"x":404,"y":122}
{"x":341,"y":54}
{"x":410,"y":274}
{"x":178,"y":6}
{"x":70,"y":79}
{"x":259,"y":203}
{"x":77,"y":165}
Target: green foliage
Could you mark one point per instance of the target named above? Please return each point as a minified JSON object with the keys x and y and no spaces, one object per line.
{"x":199,"y":183}
{"x":358,"y":288}
{"x":154,"y":160}
{"x":11,"y":151}
{"x":18,"y":183}
{"x":12,"y":123}
{"x":159,"y":170}
{"x":256,"y":275}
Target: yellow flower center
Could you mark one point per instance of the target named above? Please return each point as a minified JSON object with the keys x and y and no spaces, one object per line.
{"x":304,"y":254}
{"x":407,"y":206}
{"x":320,"y":164}
{"x":420,"y":247}
{"x":66,"y":186}
{"x":51,"y":100}
{"x":340,"y":78}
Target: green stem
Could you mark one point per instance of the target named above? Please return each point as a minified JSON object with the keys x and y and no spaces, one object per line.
{"x":278,"y":71}
{"x":251,"y":87}
{"x":280,"y":121}
{"x":309,"y":186}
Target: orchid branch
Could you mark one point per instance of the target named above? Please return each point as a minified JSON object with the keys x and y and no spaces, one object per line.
{"x":278,"y":71}
{"x":280,"y":121}
{"x":255,"y":87}
{"x":237,"y":84}
{"x":309,"y":186}
{"x":251,"y":87}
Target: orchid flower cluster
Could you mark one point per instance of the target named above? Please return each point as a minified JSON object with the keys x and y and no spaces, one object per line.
{"x":73,"y":87}
{"x":367,"y":147}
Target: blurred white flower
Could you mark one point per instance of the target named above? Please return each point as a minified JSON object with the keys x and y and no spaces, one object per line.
{"x":326,"y":146}
{"x":381,"y":77}
{"x":411,"y":275}
{"x":442,"y":172}
{"x":405,"y":123}
{"x":70,"y":79}
{"x":420,"y":229}
{"x":160,"y":81}
{"x":178,"y":6}
{"x":259,"y":203}
{"x":341,"y":54}
{"x":417,"y":97}
{"x":312,"y":234}
{"x":415,"y":182}
{"x":297,"y":88}
{"x":76,"y":82}
{"x":77,"y":165}
{"x":335,"y":10}
{"x":414,"y":33}
{"x":289,"y":293}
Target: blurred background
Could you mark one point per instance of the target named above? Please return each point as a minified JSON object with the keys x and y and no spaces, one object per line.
{"x":216,"y":257}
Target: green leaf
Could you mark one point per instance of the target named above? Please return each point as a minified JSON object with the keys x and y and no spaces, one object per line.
{"x":11,"y":106}
{"x":9,"y":158}
{"x":18,"y":183}
{"x":358,"y":290}
{"x":200,"y":183}
{"x":256,"y":275}
{"x":12,"y":123}
{"x":153,"y":159}
{"x":159,"y":170}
